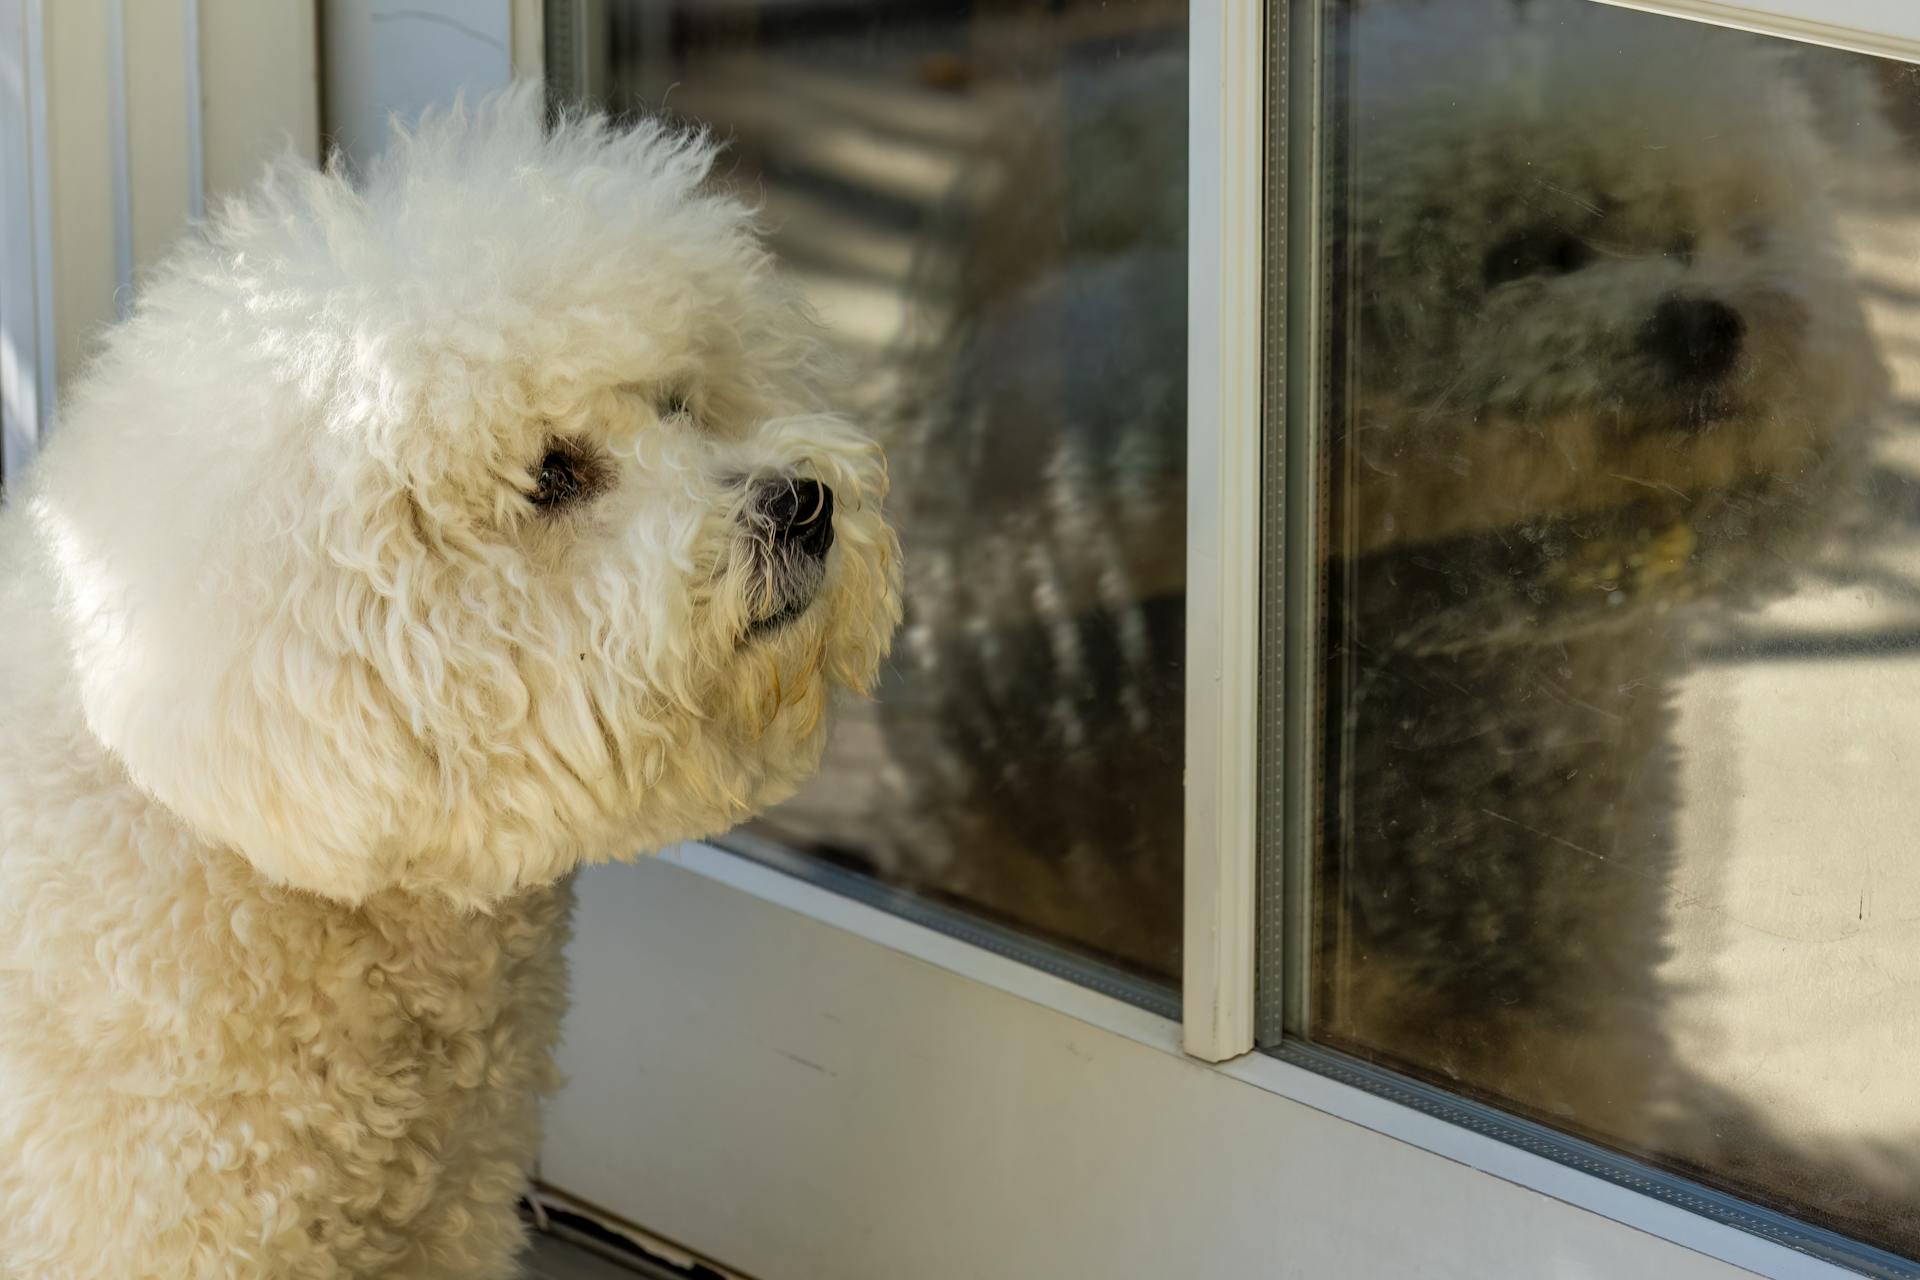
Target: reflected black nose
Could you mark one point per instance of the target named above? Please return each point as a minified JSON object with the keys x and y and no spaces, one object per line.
{"x":1694,"y":339}
{"x":799,"y":513}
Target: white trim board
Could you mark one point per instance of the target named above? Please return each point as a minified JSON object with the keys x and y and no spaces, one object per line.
{"x":1885,"y":28}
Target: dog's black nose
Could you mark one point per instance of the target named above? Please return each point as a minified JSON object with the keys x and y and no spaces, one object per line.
{"x":800,"y":514}
{"x":1694,"y":339}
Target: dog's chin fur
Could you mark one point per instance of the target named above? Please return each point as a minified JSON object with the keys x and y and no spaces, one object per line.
{"x":306,"y":704}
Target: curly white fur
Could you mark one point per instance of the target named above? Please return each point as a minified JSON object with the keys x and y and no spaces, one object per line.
{"x":306,"y":709}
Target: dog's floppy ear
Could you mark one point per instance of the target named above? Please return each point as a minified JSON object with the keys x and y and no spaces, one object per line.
{"x":291,"y":758}
{"x":227,"y":671}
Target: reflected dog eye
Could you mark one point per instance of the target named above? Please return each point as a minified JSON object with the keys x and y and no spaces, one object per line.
{"x":1537,"y":251}
{"x":566,"y":475}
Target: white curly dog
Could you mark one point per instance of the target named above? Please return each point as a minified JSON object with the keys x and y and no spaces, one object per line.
{"x":409,"y":547}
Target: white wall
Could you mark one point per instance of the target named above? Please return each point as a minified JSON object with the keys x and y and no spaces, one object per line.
{"x":259,"y":86}
{"x":81,"y":168}
{"x":125,"y":141}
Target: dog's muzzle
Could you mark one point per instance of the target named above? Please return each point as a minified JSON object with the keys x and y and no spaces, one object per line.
{"x":795,"y":521}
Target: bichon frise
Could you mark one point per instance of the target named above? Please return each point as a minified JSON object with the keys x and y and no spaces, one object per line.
{"x":407,"y":548}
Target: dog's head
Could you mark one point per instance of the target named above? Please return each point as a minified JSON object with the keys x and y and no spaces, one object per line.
{"x":448,"y":532}
{"x":1600,"y":311}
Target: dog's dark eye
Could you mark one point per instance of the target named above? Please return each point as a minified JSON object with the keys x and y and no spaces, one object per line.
{"x":564,"y":477}
{"x":1537,"y":251}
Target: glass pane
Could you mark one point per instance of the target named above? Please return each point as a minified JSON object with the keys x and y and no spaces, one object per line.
{"x":986,"y":204}
{"x":1621,"y":650}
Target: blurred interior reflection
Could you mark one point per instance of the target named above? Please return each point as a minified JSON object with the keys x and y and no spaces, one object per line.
{"x":986,"y":203}
{"x":1622,"y":646}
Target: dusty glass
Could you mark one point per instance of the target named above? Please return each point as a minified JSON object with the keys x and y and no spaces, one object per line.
{"x":986,"y":204}
{"x":1621,"y":598}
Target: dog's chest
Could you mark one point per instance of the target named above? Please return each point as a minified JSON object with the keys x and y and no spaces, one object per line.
{"x":412,"y":1013}
{"x":407,"y":1059}
{"x":341,"y":1079}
